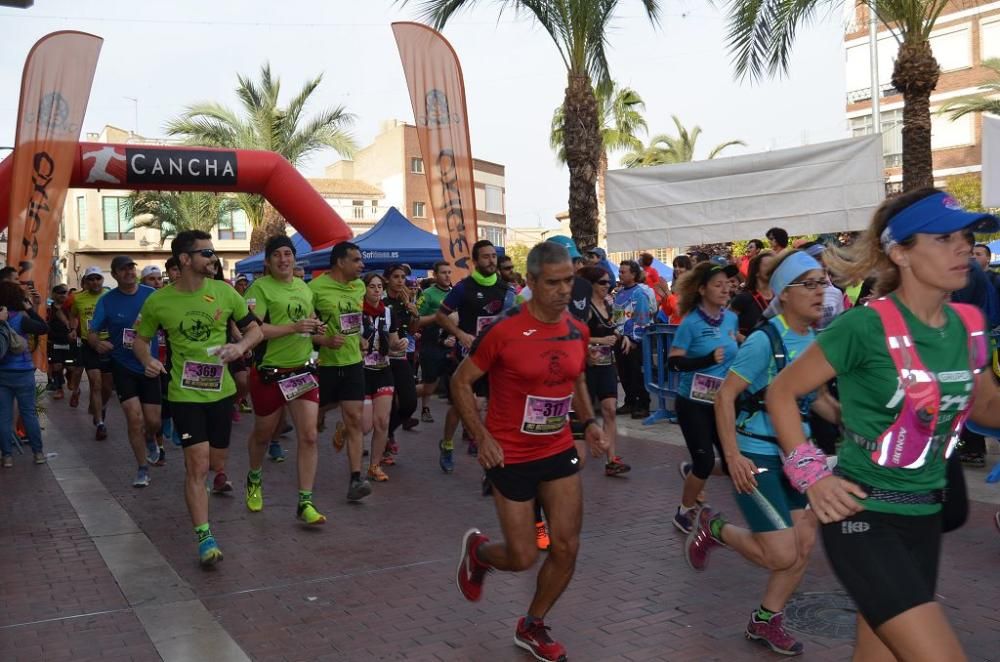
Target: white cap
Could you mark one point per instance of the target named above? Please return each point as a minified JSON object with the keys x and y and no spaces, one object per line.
{"x":92,"y":271}
{"x":151,"y":270}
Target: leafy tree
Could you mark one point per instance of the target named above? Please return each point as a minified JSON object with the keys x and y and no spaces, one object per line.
{"x":762,"y":32}
{"x":987,"y":100}
{"x":171,"y":213}
{"x":264,"y":124}
{"x":663,"y":148}
{"x":580,"y":30}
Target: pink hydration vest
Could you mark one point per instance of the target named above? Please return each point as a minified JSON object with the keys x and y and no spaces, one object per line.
{"x":911,"y":438}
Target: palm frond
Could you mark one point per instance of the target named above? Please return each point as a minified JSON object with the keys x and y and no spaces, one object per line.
{"x":729,"y":143}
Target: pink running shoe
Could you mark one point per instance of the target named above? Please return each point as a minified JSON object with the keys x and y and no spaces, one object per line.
{"x":535,"y":639}
{"x":700,"y":541}
{"x":471,"y":571}
{"x":773,"y":635}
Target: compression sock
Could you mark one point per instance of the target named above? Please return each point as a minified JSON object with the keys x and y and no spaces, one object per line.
{"x":715,"y":527}
{"x":203,"y":531}
{"x":305,"y":497}
{"x":764,"y":614}
{"x":355,"y":475}
{"x":255,"y":475}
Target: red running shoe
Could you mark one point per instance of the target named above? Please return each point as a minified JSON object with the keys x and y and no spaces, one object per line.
{"x":221,"y":484}
{"x":535,"y":639}
{"x":471,"y":571}
{"x":74,"y":398}
{"x":700,"y":541}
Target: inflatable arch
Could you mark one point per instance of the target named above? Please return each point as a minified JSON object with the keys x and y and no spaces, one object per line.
{"x":181,"y":168}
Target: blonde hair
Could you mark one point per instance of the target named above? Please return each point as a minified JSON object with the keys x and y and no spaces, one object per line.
{"x":688,"y":288}
{"x":866,"y":257}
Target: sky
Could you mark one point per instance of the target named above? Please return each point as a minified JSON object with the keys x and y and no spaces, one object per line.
{"x":167,"y":55}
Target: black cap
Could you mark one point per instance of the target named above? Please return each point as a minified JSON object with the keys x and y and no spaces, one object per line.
{"x":120,"y":262}
{"x":274,"y":243}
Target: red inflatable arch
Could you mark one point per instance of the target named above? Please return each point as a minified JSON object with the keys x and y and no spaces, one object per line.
{"x":157,"y":168}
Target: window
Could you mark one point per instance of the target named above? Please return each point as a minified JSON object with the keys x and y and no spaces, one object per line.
{"x":233,"y":225}
{"x":492,"y":233}
{"x":989,"y":39}
{"x":417,"y":165}
{"x":494,"y":199}
{"x":359,"y":209}
{"x":892,"y":134}
{"x":953,"y":48}
{"x":81,"y":217}
{"x":419,"y":210}
{"x":373,"y":213}
{"x":117,"y":224}
{"x":946,"y":133}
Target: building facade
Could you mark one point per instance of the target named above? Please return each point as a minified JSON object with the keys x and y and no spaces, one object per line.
{"x":393,"y":164}
{"x":964,"y":36}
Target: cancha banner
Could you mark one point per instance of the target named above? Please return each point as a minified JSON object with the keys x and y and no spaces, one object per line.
{"x":437,"y":93}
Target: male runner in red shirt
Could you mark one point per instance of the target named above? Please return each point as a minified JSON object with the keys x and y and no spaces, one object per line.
{"x":535,"y":359}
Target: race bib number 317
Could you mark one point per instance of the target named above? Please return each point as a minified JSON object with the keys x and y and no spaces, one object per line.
{"x":545,"y":415}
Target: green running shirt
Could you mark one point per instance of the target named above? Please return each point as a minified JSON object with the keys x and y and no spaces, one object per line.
{"x":277,"y":303}
{"x":338,"y":305}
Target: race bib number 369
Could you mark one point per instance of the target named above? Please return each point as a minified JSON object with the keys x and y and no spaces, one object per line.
{"x":202,"y":376}
{"x":545,"y":415}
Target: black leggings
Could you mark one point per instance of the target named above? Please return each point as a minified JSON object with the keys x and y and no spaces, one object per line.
{"x":631,"y":377}
{"x":404,"y":399}
{"x":697,"y":421}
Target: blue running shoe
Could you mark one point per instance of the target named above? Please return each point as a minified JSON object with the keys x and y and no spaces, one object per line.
{"x":275,"y":452}
{"x":445,"y":457}
{"x":209,"y":552}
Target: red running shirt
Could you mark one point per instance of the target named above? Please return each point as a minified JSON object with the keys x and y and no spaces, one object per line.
{"x":532,"y":367}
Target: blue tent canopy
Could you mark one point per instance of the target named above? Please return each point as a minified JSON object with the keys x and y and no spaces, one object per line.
{"x":392,"y":240}
{"x":994,"y":251}
{"x":255,"y":263}
{"x":662,"y":269}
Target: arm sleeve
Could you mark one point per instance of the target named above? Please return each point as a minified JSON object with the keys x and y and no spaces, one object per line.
{"x":34,"y":324}
{"x":100,"y":318}
{"x":753,"y":358}
{"x":454,"y":298}
{"x":689,"y":363}
{"x":239,"y":311}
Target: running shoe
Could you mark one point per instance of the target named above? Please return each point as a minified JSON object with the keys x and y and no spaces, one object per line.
{"x":102,"y":432}
{"x":245,"y":406}
{"x":542,"y":536}
{"x":275,"y":452}
{"x":616,"y":467}
{"x":152,"y":451}
{"x":209,"y":552}
{"x":338,"y":437}
{"x":773,"y":635}
{"x":684,"y":521}
{"x":473,"y":448}
{"x":308,"y":514}
{"x":471,"y":571}
{"x":700,"y":541}
{"x":446,"y":458}
{"x":642,"y":412}
{"x":624,"y":409}
{"x":221,"y":484}
{"x":410,"y":423}
{"x":7,"y":462}
{"x":392,"y":447}
{"x":40,"y":458}
{"x":141,"y":478}
{"x":375,"y":473}
{"x":74,"y":398}
{"x":358,"y":490}
{"x":535,"y":639}
{"x":255,"y":495}
{"x":425,"y":415}
{"x":58,"y":394}
{"x":236,"y":416}
{"x":387,"y":458}
{"x":162,"y":459}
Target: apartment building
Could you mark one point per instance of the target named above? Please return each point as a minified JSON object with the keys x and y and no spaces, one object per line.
{"x":965,"y":35}
{"x":392,"y":163}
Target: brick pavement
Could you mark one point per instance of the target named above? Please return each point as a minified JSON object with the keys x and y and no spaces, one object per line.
{"x":376,"y":583}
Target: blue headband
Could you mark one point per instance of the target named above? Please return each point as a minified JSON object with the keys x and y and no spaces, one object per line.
{"x":791,"y":268}
{"x":936,"y":214}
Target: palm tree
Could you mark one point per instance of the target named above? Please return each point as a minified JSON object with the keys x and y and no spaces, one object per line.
{"x":663,"y":149}
{"x":579,"y":29}
{"x":267,"y":126}
{"x":987,"y":100}
{"x":171,"y":213}
{"x":761,"y":34}
{"x":619,"y":118}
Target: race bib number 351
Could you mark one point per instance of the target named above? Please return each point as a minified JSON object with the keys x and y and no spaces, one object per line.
{"x":545,"y":415}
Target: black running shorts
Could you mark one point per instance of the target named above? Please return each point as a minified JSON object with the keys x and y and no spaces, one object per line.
{"x":887,"y":563}
{"x":197,"y":423}
{"x":130,"y":385}
{"x":602,"y":382}
{"x":93,"y":360}
{"x":342,"y":383}
{"x":519,"y":482}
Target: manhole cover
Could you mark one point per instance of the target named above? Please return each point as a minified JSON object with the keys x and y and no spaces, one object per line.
{"x":830,"y":615}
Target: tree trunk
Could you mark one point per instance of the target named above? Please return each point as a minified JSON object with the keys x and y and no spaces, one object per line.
{"x":583,"y":147}
{"x":273,"y":225}
{"x":602,"y":199}
{"x":915,"y":74}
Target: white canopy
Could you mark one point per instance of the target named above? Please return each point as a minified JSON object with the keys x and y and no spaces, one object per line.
{"x":991,"y":161}
{"x":829,"y":187}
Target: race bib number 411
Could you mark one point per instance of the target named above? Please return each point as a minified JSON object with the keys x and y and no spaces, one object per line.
{"x":545,"y":415}
{"x":704,"y":387}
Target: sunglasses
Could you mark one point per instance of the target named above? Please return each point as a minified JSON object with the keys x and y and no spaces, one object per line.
{"x":604,"y":282}
{"x":204,"y":252}
{"x":808,"y":284}
{"x":60,"y":292}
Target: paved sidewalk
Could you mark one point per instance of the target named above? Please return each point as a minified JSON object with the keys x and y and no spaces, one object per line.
{"x":377,"y":582}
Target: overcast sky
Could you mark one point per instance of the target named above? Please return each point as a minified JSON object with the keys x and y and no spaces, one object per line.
{"x":168,"y":58}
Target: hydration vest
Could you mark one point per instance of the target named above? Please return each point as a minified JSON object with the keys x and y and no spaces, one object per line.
{"x":911,"y":439}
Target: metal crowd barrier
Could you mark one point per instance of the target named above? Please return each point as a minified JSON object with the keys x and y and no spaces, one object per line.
{"x":660,"y":382}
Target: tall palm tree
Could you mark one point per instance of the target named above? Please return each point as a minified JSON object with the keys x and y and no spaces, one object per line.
{"x":986,"y":100}
{"x":579,"y":30}
{"x":171,"y":213}
{"x":761,"y":34}
{"x":619,"y":119}
{"x":263,"y":124}
{"x":663,"y":148}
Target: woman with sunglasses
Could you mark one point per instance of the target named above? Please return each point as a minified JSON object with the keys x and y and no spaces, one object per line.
{"x":703,"y":347}
{"x":881,"y":509}
{"x":780,"y":533}
{"x":602,"y":378}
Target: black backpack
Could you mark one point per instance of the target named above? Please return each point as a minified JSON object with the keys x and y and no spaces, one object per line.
{"x":753,"y":402}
